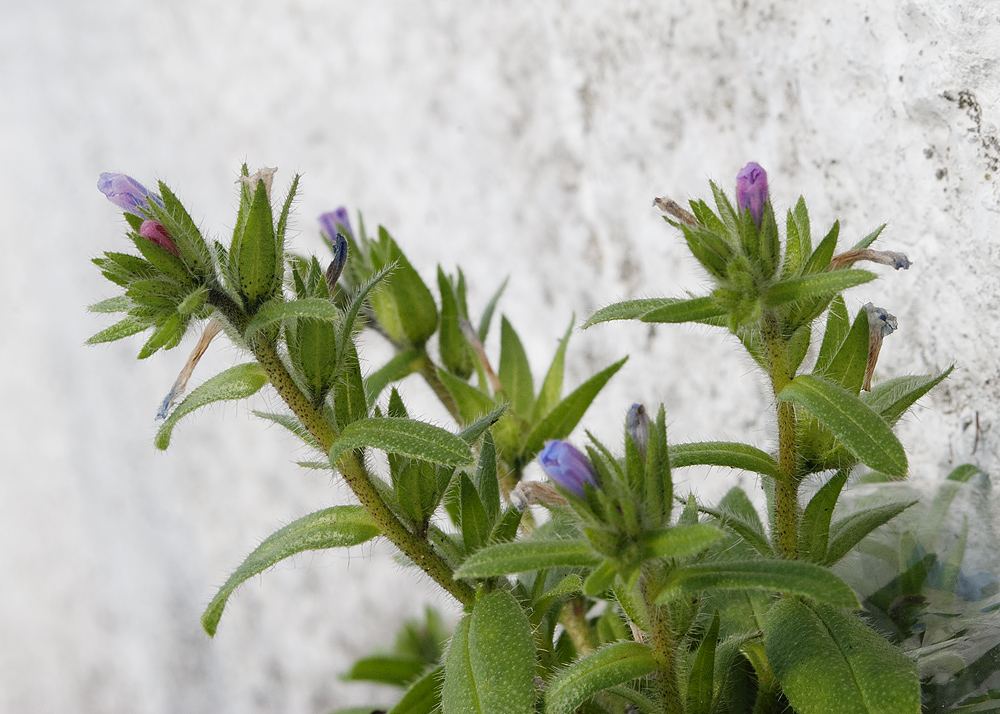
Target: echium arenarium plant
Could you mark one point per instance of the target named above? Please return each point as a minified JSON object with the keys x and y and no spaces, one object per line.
{"x":627,"y":598}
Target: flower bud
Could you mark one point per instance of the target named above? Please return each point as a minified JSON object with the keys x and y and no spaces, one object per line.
{"x":334,"y":222}
{"x":339,"y":261}
{"x":126,"y":193}
{"x":638,"y":428}
{"x":751,"y":191}
{"x":565,"y":465}
{"x":154,"y":232}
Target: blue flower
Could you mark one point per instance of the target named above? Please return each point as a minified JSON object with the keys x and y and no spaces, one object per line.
{"x":751,"y":190}
{"x":126,"y":193}
{"x":565,"y":465}
{"x":334,"y":222}
{"x":638,"y":427}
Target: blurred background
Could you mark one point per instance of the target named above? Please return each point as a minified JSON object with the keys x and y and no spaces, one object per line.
{"x":514,"y":139}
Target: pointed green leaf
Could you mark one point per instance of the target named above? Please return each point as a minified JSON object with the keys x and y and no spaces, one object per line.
{"x":350,"y":402}
{"x":838,"y":324}
{"x":115,"y":304}
{"x":548,"y":395}
{"x":471,"y":402}
{"x":456,"y":353}
{"x":487,"y":317}
{"x":848,"y":366}
{"x":819,"y":261}
{"x":893,"y":397}
{"x":423,"y":696}
{"x":276,"y":312}
{"x":524,"y":555}
{"x":862,"y":431}
{"x":787,"y":576}
{"x":406,"y":437}
{"x":851,"y":530}
{"x":403,"y":364}
{"x":471,"y":433}
{"x":609,"y":666}
{"x":490,"y":664}
{"x":120,"y":330}
{"x":330,"y":528}
{"x":293,"y":425}
{"x":737,"y":513}
{"x":679,"y":541}
{"x":349,"y":324}
{"x":406,"y":308}
{"x":869,"y":239}
{"x":487,"y":480}
{"x":724,"y":453}
{"x":629,"y":310}
{"x":182,"y":229}
{"x":693,"y":310}
{"x":814,"y":286}
{"x":798,"y":347}
{"x":658,"y":491}
{"x":475,"y":523}
{"x":562,"y":419}
{"x":514,"y":371}
{"x":286,"y":208}
{"x":256,"y":252}
{"x":814,"y":531}
{"x":396,"y":671}
{"x":239,"y":382}
{"x":829,"y":662}
{"x":702,"y":678}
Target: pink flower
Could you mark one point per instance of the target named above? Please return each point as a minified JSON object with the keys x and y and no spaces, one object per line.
{"x":751,"y":190}
{"x":155,"y":232}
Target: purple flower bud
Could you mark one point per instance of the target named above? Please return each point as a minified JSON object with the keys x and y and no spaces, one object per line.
{"x":565,"y":465}
{"x":638,"y":427}
{"x":126,"y":193}
{"x":751,"y":190}
{"x":336,"y":266}
{"x":334,"y":222}
{"x":154,"y":232}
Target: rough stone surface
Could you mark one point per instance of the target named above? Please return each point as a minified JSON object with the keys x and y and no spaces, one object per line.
{"x":516,"y":139}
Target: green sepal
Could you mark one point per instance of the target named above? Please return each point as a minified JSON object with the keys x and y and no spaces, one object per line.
{"x":787,"y":576}
{"x":182,"y":230}
{"x":164,"y":261}
{"x":869,"y":239}
{"x":169,"y":334}
{"x":828,"y":661}
{"x":456,"y":353}
{"x":658,"y":485}
{"x":490,"y":664}
{"x":239,"y":382}
{"x":406,"y":437}
{"x":286,"y":208}
{"x":255,"y":252}
{"x":526,"y":555}
{"x":295,"y":426}
{"x":330,"y":528}
{"x":737,"y":513}
{"x":194,"y":303}
{"x":609,"y":666}
{"x":862,"y":431}
{"x":350,"y":402}
{"x":629,"y":310}
{"x":514,"y":372}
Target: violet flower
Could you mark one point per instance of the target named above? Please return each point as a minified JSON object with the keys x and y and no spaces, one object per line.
{"x":332,"y":222}
{"x":126,"y":193}
{"x":751,"y":191}
{"x":637,"y":425}
{"x":154,"y":232}
{"x":565,"y":465}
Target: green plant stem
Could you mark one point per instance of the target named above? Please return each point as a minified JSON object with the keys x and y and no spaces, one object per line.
{"x":416,"y":548}
{"x":574,"y":618}
{"x":787,"y":487}
{"x":661,"y":640}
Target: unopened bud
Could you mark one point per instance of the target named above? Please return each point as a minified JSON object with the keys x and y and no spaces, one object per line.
{"x":637,"y":425}
{"x":154,"y":232}
{"x":567,"y":467}
{"x":751,"y":191}
{"x":126,"y":193}
{"x":337,"y":264}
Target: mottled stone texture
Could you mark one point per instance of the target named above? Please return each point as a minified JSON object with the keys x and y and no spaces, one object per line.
{"x":521,"y":139}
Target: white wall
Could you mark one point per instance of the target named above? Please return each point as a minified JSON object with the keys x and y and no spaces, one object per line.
{"x":514,"y":138}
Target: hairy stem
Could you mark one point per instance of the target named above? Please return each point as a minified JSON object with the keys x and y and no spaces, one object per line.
{"x":787,"y":487}
{"x":661,"y":639}
{"x":415,"y":547}
{"x":574,"y":618}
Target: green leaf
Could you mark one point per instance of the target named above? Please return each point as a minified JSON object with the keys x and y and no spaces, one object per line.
{"x":863,"y":432}
{"x":182,"y":229}
{"x":737,"y":513}
{"x":693,"y":310}
{"x":787,"y":576}
{"x":490,"y":664}
{"x":237,"y":382}
{"x":814,"y":286}
{"x":397,"y":671}
{"x":256,"y":252}
{"x":829,"y":662}
{"x":286,"y":208}
{"x":475,"y":523}
{"x":701,"y":681}
{"x":350,"y":402}
{"x":471,"y":433}
{"x":456,"y":353}
{"x":600,"y":579}
{"x":514,"y":372}
{"x":405,"y":437}
{"x":276,"y":311}
{"x":837,"y":326}
{"x":548,"y":395}
{"x":893,"y":397}
{"x":524,"y":555}
{"x":869,"y":239}
{"x":567,"y":414}
{"x":406,"y":308}
{"x":487,"y":317}
{"x":424,"y":696}
{"x":403,"y":364}
{"x":115,"y":304}
{"x":724,"y":453}
{"x":679,"y":541}
{"x":848,"y":366}
{"x":120,"y":330}
{"x":295,"y":426}
{"x":330,"y":528}
{"x":487,"y":480}
{"x":629,"y":310}
{"x":608,"y":667}
{"x":851,"y":530}
{"x":658,"y":484}
{"x":471,"y":402}
{"x":814,"y":531}
{"x":819,"y":261}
